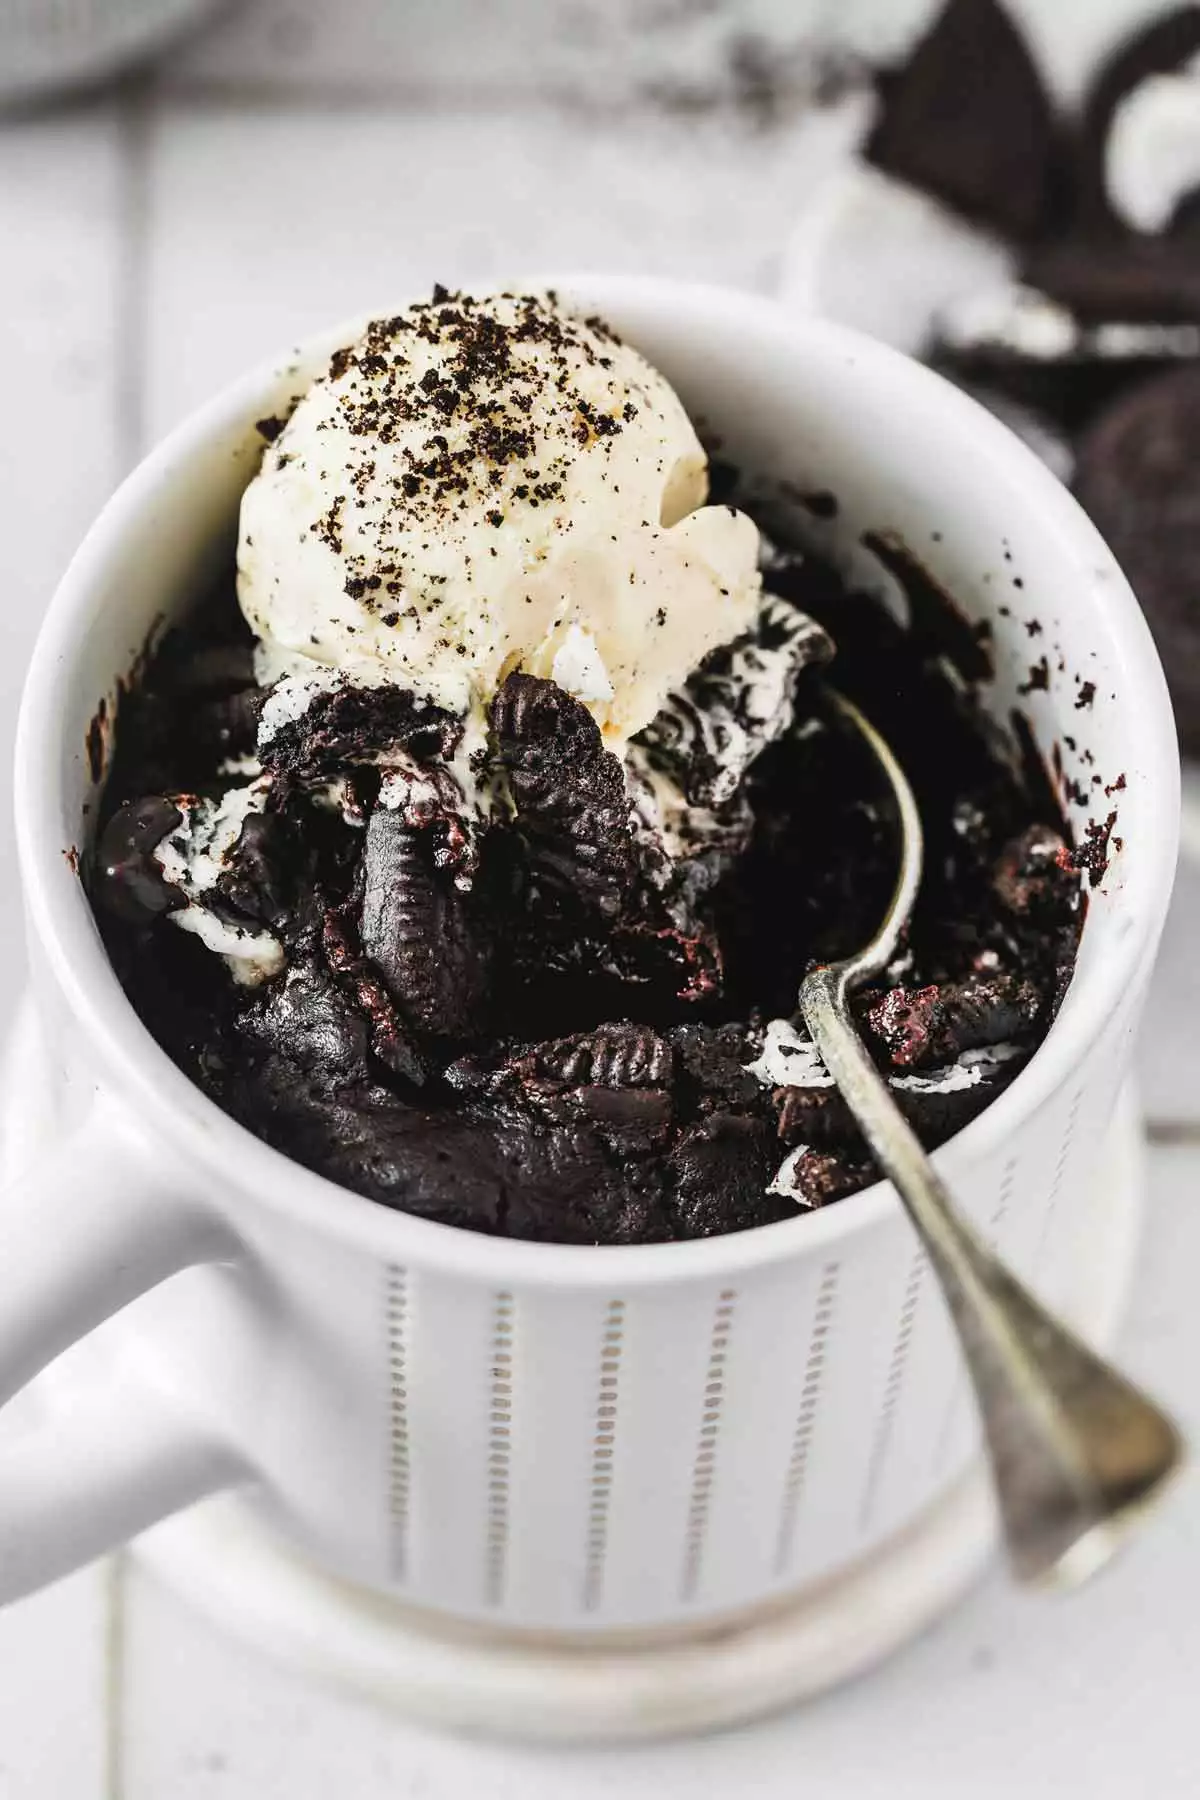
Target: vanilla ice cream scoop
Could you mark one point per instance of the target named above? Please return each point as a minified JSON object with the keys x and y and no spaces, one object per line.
{"x":481,"y":485}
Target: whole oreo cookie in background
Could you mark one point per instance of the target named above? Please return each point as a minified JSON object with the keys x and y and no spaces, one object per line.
{"x":968,"y":120}
{"x":1123,"y":279}
{"x":1138,"y":476}
{"x":1019,"y":342}
{"x":1094,"y":303}
{"x":1091,"y":350}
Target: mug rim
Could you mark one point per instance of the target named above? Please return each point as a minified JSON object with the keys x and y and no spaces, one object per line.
{"x":140,"y":1070}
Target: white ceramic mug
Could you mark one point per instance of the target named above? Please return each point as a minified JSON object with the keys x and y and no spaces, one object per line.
{"x":565,"y":1439}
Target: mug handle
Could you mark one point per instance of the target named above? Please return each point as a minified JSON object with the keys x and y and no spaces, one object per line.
{"x":89,"y":1229}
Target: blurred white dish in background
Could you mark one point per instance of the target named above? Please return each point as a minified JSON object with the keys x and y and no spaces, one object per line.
{"x":874,"y":253}
{"x":47,"y":45}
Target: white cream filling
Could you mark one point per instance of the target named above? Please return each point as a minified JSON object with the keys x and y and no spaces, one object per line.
{"x":663,"y":818}
{"x":1028,"y":324}
{"x":729,"y":720}
{"x":1017,"y":318}
{"x":1146,"y":339}
{"x":784,"y":1183}
{"x":789,"y":1059}
{"x":334,"y":796}
{"x":192,"y":859}
{"x":972,"y":1067}
{"x":251,"y":956}
{"x":195,"y":854}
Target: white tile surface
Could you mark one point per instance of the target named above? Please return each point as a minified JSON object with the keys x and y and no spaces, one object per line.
{"x":60,"y":216}
{"x":60,"y":197}
{"x":1012,"y":1694}
{"x":60,"y":207}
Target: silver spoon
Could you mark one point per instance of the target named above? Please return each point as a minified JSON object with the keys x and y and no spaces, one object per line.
{"x":1077,"y":1451}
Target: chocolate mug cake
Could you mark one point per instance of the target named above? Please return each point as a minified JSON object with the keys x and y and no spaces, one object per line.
{"x":469,"y":847}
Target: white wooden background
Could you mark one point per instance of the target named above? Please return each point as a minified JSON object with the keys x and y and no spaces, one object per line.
{"x":299,"y":161}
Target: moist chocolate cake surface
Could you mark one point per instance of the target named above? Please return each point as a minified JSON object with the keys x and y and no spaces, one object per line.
{"x":543,"y":1033}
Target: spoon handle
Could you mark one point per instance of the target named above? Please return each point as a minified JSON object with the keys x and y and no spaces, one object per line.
{"x":1076,"y":1450}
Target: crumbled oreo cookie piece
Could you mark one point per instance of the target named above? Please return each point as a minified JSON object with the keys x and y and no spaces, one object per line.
{"x":968,"y":120}
{"x":712,"y":1064}
{"x":212,"y":682}
{"x":622,"y":1055}
{"x":572,"y":809}
{"x":740,"y":699}
{"x":391,"y":1042}
{"x":813,"y":1115}
{"x":1139,"y":478}
{"x":418,"y":931}
{"x":614,"y":1081}
{"x":811,"y":1178}
{"x":345,"y":725}
{"x":938,"y":1102}
{"x":924,"y":1027}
